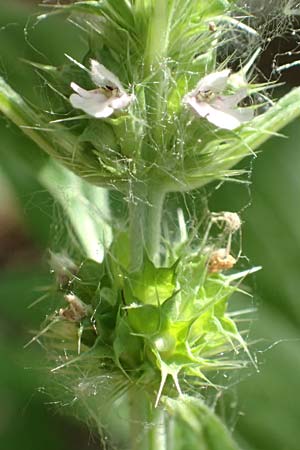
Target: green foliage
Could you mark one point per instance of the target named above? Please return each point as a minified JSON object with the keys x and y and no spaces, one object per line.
{"x":157,"y":322}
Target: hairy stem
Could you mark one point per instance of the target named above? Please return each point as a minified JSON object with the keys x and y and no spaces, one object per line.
{"x":157,"y":35}
{"x":147,"y":424}
{"x":145,"y":212}
{"x":137,"y":409}
{"x":157,"y":430}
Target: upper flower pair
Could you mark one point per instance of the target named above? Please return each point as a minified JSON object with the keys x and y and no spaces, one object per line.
{"x":206,"y":99}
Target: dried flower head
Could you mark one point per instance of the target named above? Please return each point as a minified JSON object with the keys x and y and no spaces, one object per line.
{"x":232,"y":220}
{"x":221,"y":110}
{"x":103,"y":101}
{"x":220,"y":260}
{"x":63,"y":267}
{"x":76,"y":311}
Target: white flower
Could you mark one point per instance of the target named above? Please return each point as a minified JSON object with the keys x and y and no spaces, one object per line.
{"x":220,"y":110}
{"x":103,"y":101}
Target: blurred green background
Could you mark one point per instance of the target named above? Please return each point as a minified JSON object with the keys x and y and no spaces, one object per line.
{"x":268,"y":402}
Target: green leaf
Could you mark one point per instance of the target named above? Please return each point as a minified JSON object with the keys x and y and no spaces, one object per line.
{"x":117,"y":10}
{"x":127,"y":347}
{"x":213,"y":8}
{"x":85,"y":205}
{"x":150,"y":285}
{"x":144,"y":319}
{"x":121,"y":253}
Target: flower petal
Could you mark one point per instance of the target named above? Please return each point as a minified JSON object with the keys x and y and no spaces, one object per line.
{"x":100,"y":102}
{"x":106,"y":111}
{"x":242,"y":114}
{"x":201,"y":108}
{"x":96,"y":105}
{"x":214,"y":82}
{"x":220,"y":110}
{"x":121,"y":102}
{"x":80,"y":91}
{"x":102,"y":77}
{"x":228,"y":120}
{"x":229,"y":101}
{"x":88,"y":95}
{"x":222,"y":119}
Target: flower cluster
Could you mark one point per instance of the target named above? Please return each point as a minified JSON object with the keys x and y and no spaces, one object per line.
{"x":206,"y":99}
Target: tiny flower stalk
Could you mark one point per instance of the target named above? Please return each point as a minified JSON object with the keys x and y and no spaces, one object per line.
{"x":142,"y":320}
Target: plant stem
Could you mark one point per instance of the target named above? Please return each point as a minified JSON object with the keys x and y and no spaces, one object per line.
{"x":136,"y":221}
{"x":147,"y":424}
{"x":157,"y":436}
{"x":157,"y":35}
{"x":145,"y":213}
{"x":137,"y":420}
{"x":152,"y":231}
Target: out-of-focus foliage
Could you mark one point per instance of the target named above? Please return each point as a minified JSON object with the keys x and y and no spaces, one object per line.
{"x":268,"y":401}
{"x":27,"y":419}
{"x":271,"y":398}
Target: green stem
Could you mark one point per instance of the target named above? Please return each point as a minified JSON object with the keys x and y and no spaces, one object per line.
{"x":147,"y":424}
{"x":157,"y":35}
{"x":137,"y":421}
{"x":157,"y":436}
{"x":145,"y":213}
{"x":152,"y":231}
{"x":136,"y":223}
